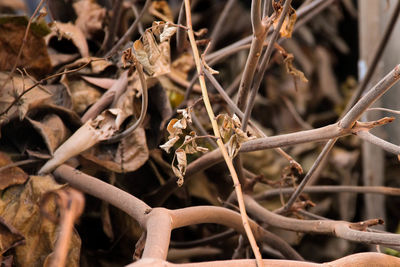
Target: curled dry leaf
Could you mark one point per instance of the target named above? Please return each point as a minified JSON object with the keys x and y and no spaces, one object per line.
{"x":52,"y":130}
{"x":153,"y":50}
{"x":169,"y":144}
{"x":290,"y":19}
{"x":91,"y":133}
{"x":70,"y":32}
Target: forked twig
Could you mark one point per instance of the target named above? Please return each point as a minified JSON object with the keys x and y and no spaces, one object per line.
{"x":224,"y":151}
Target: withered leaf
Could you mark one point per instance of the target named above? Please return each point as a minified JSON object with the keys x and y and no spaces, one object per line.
{"x":169,"y":144}
{"x":10,"y":176}
{"x":34,"y":56}
{"x":130,"y":154}
{"x":19,"y":206}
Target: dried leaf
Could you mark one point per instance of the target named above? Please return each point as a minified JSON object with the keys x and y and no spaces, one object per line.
{"x":19,"y":206}
{"x":70,"y":32}
{"x":180,"y":124}
{"x":52,"y":130}
{"x":169,"y":144}
{"x":12,"y":175}
{"x":130,"y":154}
{"x":167,"y":33}
{"x":173,"y":131}
{"x":9,"y":237}
{"x":292,"y":70}
{"x":90,"y":17}
{"x":179,"y":175}
{"x":289,"y":21}
{"x":181,"y":158}
{"x":162,"y":10}
{"x":186,"y":113}
{"x":13,"y":89}
{"x":233,"y":146}
{"x":155,"y":57}
{"x":82,"y":94}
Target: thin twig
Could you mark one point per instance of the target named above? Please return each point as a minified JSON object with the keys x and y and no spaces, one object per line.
{"x":348,"y":121}
{"x":317,"y":189}
{"x":17,"y":99}
{"x":236,"y":109}
{"x":224,"y":151}
{"x":130,"y":30}
{"x":204,"y":241}
{"x":19,"y":163}
{"x":264,"y":64}
{"x":145,"y":101}
{"x":216,"y":32}
{"x":321,"y":157}
{"x":113,"y":27}
{"x":385,"y":145}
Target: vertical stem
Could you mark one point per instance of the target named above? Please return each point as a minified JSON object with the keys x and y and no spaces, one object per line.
{"x":221,"y":145}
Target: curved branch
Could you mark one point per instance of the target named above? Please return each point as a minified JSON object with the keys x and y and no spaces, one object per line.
{"x":339,"y":229}
{"x":145,"y":101}
{"x":360,"y":259}
{"x":232,"y":219}
{"x":390,"y":191}
{"x":133,"y":206}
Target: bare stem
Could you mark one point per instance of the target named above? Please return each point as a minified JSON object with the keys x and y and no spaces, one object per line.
{"x":214,"y":124}
{"x":130,"y":30}
{"x":264,"y":65}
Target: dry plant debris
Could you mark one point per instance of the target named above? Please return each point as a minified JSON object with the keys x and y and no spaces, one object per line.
{"x":115,"y":116}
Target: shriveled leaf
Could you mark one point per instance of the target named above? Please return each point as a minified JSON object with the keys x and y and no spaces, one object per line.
{"x":10,"y":176}
{"x":142,"y":56}
{"x":152,"y":54}
{"x":173,"y":131}
{"x":179,"y":175}
{"x":292,"y":70}
{"x":186,"y":113}
{"x":289,"y":21}
{"x":180,"y":124}
{"x":19,"y":206}
{"x":169,"y":144}
{"x":167,"y":33}
{"x":181,"y":158}
{"x":233,"y":146}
